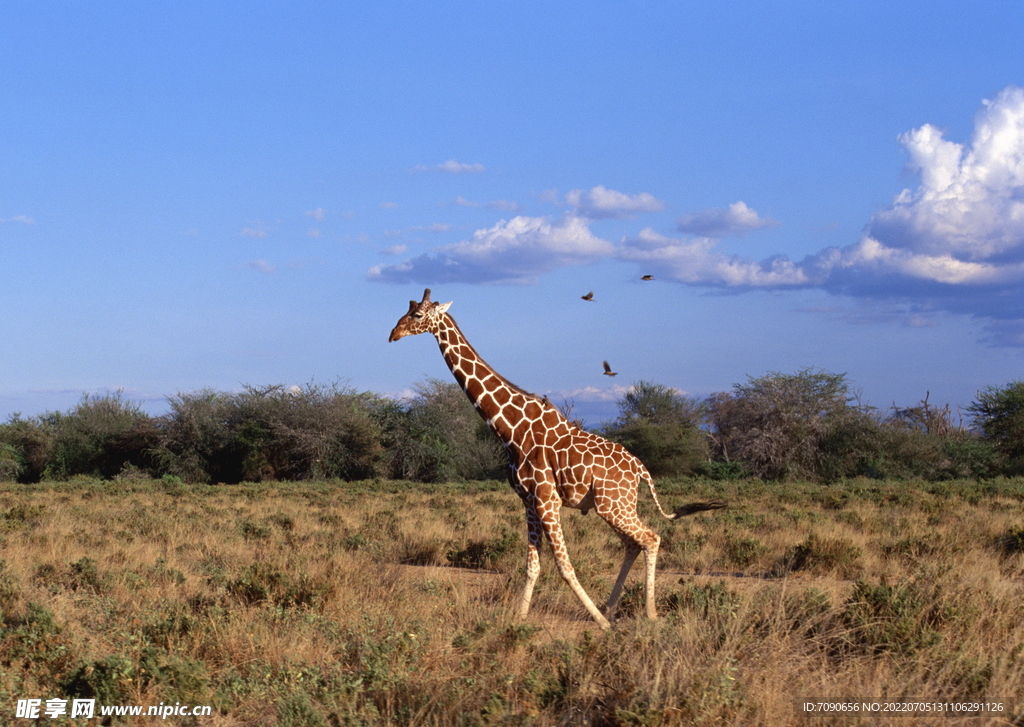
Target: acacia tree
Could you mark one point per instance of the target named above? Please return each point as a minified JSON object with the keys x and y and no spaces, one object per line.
{"x":999,"y":414}
{"x":776,"y":424}
{"x":661,"y":426}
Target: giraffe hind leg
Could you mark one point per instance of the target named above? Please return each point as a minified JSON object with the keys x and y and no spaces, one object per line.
{"x":632,"y":551}
{"x":651,"y":557}
{"x":636,"y":538}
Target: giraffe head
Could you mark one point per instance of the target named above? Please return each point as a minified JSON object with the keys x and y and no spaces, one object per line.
{"x":422,"y":317}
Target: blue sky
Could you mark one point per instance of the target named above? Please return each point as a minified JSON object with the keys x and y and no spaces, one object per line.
{"x":216,"y":194}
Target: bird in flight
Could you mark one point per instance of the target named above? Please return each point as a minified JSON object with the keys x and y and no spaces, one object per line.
{"x":588,"y":296}
{"x":647,"y":277}
{"x":608,"y":370}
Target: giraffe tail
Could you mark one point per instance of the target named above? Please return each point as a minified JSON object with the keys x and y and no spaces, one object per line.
{"x":698,"y":507}
{"x":684,"y":510}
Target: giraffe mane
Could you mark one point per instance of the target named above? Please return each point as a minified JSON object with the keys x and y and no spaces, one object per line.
{"x":502,"y":379}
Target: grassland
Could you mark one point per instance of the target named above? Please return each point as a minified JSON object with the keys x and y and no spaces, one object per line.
{"x":391,"y":603}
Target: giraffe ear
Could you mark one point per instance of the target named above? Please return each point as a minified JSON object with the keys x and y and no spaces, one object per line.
{"x":443,"y":307}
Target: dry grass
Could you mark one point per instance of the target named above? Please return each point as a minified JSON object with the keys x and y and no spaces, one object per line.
{"x":336,"y":603}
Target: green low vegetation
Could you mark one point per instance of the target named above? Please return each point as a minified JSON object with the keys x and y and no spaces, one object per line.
{"x":807,"y":426}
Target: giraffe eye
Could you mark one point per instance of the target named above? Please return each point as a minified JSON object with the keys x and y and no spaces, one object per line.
{"x":416,"y":315}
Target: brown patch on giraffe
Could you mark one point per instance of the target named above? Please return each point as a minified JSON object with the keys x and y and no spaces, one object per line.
{"x":512,"y":415}
{"x":487,"y":406}
{"x":502,"y":395}
{"x":474,"y":388}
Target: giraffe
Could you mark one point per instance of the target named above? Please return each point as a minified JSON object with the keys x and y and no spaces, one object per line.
{"x":552,"y":464}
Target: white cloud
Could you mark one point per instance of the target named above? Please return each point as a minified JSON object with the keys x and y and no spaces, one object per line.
{"x":955,"y":243}
{"x":23,"y":219}
{"x":603,"y":203}
{"x":970,"y":204}
{"x":317,"y":214}
{"x":696,"y":261}
{"x":516,"y":251}
{"x":261,"y":266}
{"x":395,"y":250}
{"x":450,"y":167}
{"x":735,"y":220}
{"x":590,"y":394}
{"x":388,"y":205}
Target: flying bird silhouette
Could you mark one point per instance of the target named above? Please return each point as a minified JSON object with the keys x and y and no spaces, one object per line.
{"x":647,"y":277}
{"x":608,"y":370}
{"x":588,"y":296}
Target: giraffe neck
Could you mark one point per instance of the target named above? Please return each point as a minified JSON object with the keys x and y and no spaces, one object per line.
{"x":501,"y":403}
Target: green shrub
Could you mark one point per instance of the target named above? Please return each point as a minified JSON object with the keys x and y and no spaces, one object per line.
{"x":108,"y":680}
{"x":662,"y":428}
{"x":272,"y":432}
{"x":178,"y":678}
{"x":743,"y":551}
{"x":1011,"y":542}
{"x":262,"y":582}
{"x":712,"y":601}
{"x":902,"y":618}
{"x":999,"y":413}
{"x":822,"y":556}
{"x":100,"y":437}
{"x":24,"y":446}
{"x":438,"y":436}
{"x":484,"y":553}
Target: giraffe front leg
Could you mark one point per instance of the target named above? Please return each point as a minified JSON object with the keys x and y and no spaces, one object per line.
{"x":553,"y":529}
{"x":532,"y":561}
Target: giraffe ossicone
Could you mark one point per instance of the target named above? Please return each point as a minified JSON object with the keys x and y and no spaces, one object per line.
{"x":552,"y":463}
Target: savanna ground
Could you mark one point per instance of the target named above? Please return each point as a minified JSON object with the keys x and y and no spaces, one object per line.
{"x":391,"y":603}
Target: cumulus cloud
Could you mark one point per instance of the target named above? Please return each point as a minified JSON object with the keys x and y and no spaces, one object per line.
{"x":603,"y":203}
{"x":953,"y":243}
{"x":697,"y":261}
{"x":732,"y":221}
{"x":513,"y":251}
{"x":450,"y":167}
{"x":317,"y":214}
{"x":957,"y":240}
